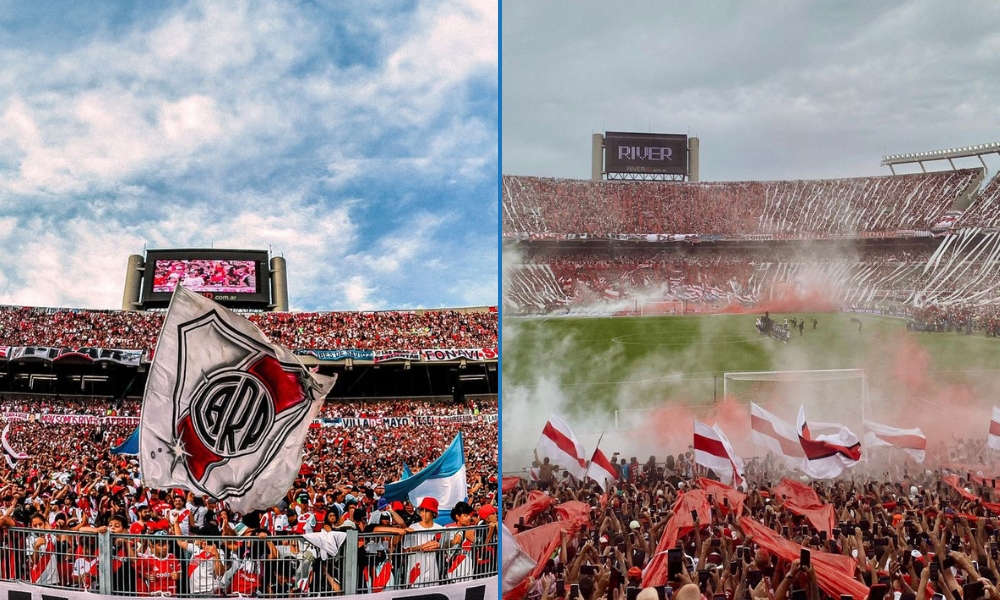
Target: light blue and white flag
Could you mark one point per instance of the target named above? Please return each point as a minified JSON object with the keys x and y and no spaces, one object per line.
{"x":443,"y":480}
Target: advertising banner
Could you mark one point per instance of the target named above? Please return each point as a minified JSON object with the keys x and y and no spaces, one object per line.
{"x":440,"y":354}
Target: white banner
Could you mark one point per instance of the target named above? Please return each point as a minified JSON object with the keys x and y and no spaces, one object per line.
{"x":225,"y":411}
{"x":475,"y":354}
{"x":402,"y":421}
{"x":477,"y":589}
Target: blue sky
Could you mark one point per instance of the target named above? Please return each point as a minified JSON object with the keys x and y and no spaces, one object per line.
{"x":358,"y":140}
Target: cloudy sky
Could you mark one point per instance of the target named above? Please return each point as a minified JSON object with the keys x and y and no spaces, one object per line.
{"x":357,"y":139}
{"x":773,"y":89}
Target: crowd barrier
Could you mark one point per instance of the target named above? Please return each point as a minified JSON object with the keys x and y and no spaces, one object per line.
{"x":48,"y":564}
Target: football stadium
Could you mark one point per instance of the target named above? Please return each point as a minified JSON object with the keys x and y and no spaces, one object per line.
{"x":754,"y":389}
{"x":276,"y":453}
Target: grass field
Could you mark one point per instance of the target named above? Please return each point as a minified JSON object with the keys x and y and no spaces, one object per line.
{"x":607,"y":363}
{"x":658,"y":374}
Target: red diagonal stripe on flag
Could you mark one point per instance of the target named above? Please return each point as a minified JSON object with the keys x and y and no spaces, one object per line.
{"x":911,"y":442}
{"x":994,"y":428}
{"x":713,"y":447}
{"x":716,"y":448}
{"x":815,"y":450}
{"x":562,"y":442}
{"x":602,"y":461}
{"x":765,"y":427}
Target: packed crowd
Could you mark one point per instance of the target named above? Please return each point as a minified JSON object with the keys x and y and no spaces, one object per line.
{"x":385,"y":330}
{"x":984,"y":211}
{"x":668,"y":530}
{"x":745,"y":275}
{"x":44,"y":404}
{"x":890,"y":279}
{"x":533,"y":205}
{"x":72,"y":483}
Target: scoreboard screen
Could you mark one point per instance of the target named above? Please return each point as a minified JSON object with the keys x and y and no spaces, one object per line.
{"x":226,"y":276}
{"x":645,"y":153}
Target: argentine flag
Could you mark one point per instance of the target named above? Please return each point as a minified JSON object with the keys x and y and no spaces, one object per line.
{"x":443,"y":480}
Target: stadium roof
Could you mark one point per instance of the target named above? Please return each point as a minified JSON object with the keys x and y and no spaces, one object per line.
{"x":963,"y":152}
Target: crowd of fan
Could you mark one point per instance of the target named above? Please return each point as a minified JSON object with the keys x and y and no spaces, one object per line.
{"x":744,"y":275}
{"x":957,"y":318}
{"x":72,"y":482}
{"x":385,"y":330}
{"x":44,"y":404}
{"x":984,"y":211}
{"x":533,"y":206}
{"x":886,"y":534}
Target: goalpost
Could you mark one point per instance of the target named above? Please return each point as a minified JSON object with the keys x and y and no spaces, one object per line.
{"x":839,"y":395}
{"x":830,"y":395}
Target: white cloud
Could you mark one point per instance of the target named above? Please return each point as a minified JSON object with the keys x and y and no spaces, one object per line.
{"x":357,"y":291}
{"x":235,"y":125}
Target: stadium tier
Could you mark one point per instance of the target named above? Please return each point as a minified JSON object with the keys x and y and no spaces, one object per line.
{"x":74,"y":484}
{"x":719,"y":276}
{"x":984,"y":210}
{"x":543,"y":208}
{"x":384,"y":330}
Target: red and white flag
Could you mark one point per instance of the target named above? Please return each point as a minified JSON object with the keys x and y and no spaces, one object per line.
{"x":911,"y":441}
{"x":994,"y":439}
{"x":713,"y":450}
{"x":777,"y":435}
{"x":516,"y":562}
{"x":560,"y":446}
{"x":827,"y":453}
{"x":601,"y":470}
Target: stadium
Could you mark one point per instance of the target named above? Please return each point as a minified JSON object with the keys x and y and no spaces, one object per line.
{"x":823,"y":351}
{"x":411,"y":387}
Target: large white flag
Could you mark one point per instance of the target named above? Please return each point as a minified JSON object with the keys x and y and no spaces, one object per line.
{"x":712,"y":450}
{"x":994,"y":440}
{"x":911,"y":441}
{"x":777,"y":435}
{"x":225,"y":411}
{"x":827,"y":453}
{"x":516,"y":563}
{"x":559,"y":444}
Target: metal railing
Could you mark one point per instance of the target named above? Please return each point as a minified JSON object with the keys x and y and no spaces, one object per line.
{"x":266,"y":566}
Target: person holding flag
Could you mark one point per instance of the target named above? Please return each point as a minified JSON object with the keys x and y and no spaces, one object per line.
{"x":558,"y":444}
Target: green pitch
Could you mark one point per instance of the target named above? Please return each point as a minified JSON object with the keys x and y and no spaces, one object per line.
{"x":603,"y":363}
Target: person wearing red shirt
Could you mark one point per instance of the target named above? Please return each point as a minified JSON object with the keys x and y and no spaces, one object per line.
{"x":161,"y":570}
{"x":147,"y":523}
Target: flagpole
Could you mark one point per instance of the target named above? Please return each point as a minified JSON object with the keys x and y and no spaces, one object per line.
{"x":601,"y":437}
{"x":589,"y":462}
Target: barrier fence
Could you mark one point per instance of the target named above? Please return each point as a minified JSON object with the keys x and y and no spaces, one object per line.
{"x":279,"y":566}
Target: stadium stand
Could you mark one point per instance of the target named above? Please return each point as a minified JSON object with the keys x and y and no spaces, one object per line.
{"x":74,"y":488}
{"x":984,"y":210}
{"x":385,"y":330}
{"x":536,"y":207}
{"x":730,"y":275}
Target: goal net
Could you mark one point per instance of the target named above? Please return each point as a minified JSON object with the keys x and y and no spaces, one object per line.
{"x":832,"y":395}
